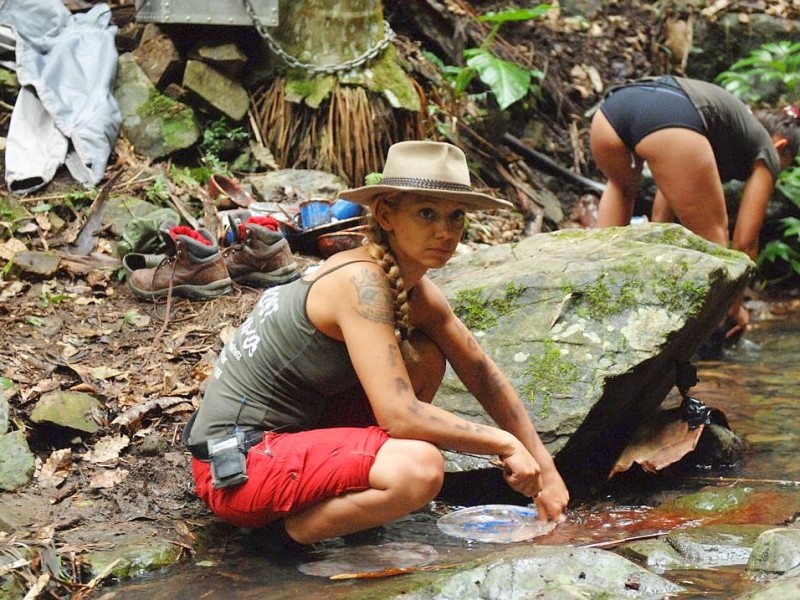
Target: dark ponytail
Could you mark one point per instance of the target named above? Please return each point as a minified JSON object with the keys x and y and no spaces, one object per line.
{"x":782,"y":122}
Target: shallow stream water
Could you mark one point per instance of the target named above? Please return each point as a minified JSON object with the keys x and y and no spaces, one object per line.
{"x":756,"y":385}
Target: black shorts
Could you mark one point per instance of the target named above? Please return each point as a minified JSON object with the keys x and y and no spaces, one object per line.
{"x":639,"y":109}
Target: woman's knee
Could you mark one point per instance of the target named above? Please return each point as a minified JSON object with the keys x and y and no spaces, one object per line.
{"x":409,"y":467}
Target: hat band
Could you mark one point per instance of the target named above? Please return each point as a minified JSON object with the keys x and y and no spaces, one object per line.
{"x":428,"y":184}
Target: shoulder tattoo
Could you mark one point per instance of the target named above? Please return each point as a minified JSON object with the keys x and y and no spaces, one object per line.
{"x":375,"y":299}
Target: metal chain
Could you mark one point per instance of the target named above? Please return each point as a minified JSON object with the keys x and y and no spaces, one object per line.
{"x":366,"y":57}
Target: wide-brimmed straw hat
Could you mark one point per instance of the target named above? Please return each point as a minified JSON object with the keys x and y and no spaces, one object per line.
{"x":434,"y":169}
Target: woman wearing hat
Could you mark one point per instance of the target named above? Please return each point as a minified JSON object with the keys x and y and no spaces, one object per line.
{"x":339,"y":368}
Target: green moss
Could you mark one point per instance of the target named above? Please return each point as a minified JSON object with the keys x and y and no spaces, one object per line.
{"x":673,"y":288}
{"x":546,"y":376}
{"x":135,"y":559}
{"x":178,"y":119}
{"x":508,"y":302}
{"x":714,"y":501}
{"x":605,"y":297}
{"x":159,"y":105}
{"x":680,"y":238}
{"x":384,"y":75}
{"x":390,"y":79}
{"x":677,"y":292}
{"x":181,"y":126}
{"x":479,"y":311}
{"x":313,"y":90}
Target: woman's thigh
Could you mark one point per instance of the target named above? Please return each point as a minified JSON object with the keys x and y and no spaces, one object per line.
{"x":292,"y":471}
{"x":685,"y":170}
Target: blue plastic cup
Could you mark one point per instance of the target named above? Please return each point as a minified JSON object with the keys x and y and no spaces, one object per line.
{"x":344,"y":209}
{"x":315,"y":212}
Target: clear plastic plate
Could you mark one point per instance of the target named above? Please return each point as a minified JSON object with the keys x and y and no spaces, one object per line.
{"x":360,"y":559}
{"x":496,"y":523}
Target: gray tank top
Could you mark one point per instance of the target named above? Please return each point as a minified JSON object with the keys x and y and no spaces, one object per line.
{"x":277,"y":372}
{"x":735,"y":134}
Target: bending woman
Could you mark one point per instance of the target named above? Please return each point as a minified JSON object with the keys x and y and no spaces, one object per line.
{"x":694,"y":136}
{"x":329,"y":381}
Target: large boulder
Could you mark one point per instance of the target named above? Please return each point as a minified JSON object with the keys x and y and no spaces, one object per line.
{"x":590,"y":326}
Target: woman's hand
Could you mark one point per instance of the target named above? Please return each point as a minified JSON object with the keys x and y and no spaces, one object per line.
{"x":522,"y":472}
{"x":552,"y":501}
{"x":740,"y":318}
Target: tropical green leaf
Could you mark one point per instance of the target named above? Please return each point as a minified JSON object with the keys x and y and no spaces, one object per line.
{"x":508,"y":82}
{"x":791,"y":227}
{"x":523,"y":14}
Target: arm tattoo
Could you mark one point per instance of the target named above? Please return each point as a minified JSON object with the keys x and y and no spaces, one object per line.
{"x":494,"y":379}
{"x":394,"y":354}
{"x":401,"y":387}
{"x":471,"y":343}
{"x":496,"y":383}
{"x":375,"y":300}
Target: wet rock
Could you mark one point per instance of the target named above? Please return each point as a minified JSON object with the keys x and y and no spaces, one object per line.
{"x":714,"y":501}
{"x":658,"y":555}
{"x":590,"y":326}
{"x":16,"y":461}
{"x":776,"y":551}
{"x":546,"y":572}
{"x":718,"y":447}
{"x":219,"y":91}
{"x":786,"y":586}
{"x":67,"y":409}
{"x":135,"y":558}
{"x":155,"y":124}
{"x":716,"y":545}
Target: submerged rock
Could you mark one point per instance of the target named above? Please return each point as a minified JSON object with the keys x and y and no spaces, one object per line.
{"x":776,"y":551}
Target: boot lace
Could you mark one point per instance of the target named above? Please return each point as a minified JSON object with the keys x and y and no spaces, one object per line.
{"x":168,"y":305}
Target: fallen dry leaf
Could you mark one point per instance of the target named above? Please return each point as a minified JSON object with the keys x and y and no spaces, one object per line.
{"x":659,"y":443}
{"x":56,"y":468}
{"x":107,"y":449}
{"x":108,"y":479}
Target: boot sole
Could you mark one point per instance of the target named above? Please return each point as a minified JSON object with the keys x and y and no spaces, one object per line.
{"x":273,"y":278}
{"x":193,"y":292}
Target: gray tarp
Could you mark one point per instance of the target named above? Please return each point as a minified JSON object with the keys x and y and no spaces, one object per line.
{"x":65,"y":112}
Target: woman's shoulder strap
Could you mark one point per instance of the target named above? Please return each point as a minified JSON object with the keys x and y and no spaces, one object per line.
{"x":344,"y":264}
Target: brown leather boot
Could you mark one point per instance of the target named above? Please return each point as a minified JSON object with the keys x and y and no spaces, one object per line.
{"x":193,"y":268}
{"x":259,"y":257}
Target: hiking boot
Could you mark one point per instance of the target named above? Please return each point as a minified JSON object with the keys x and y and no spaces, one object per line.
{"x":259,"y":256}
{"x":193,"y":267}
{"x":135,"y":261}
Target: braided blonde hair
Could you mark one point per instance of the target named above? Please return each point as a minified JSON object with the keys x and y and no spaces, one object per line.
{"x":379,"y":249}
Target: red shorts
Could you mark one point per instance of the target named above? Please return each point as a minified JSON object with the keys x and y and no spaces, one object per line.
{"x":288,"y":472}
